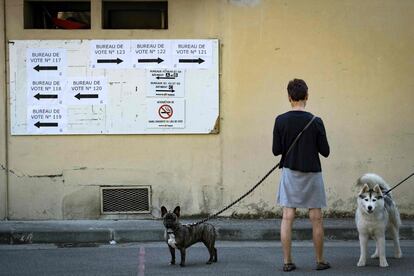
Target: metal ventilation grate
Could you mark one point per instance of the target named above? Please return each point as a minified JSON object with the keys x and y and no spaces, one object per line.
{"x":121,"y":200}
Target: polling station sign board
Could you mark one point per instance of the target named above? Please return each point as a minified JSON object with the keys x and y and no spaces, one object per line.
{"x":160,"y":86}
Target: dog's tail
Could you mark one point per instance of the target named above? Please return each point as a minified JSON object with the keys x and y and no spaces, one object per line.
{"x":373,"y":179}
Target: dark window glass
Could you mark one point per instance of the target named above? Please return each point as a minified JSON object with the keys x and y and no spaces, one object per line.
{"x":135,"y":15}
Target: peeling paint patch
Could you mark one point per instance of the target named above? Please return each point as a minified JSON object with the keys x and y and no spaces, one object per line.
{"x":26,"y":175}
{"x":80,"y":169}
{"x":10,"y":171}
{"x":299,"y":214}
{"x":260,"y":215}
{"x":211,"y":196}
{"x":245,"y":3}
{"x":216,"y":128}
{"x":47,"y":175}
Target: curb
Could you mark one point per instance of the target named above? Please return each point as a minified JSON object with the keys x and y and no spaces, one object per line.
{"x":154,"y":235}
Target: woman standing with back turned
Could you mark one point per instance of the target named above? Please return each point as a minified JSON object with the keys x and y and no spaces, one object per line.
{"x":301,"y":184}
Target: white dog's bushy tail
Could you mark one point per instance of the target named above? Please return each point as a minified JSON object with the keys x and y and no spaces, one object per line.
{"x":373,"y":179}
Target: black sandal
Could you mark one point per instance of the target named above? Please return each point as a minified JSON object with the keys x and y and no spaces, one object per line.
{"x":322,"y":266}
{"x":289,"y":267}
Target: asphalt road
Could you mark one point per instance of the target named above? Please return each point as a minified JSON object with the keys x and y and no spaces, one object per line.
{"x":235,"y":258}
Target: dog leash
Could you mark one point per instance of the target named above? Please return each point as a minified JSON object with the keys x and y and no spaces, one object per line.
{"x":401,"y":182}
{"x":258,"y":183}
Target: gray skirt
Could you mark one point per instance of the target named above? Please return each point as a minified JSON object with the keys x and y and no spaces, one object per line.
{"x":301,"y":190}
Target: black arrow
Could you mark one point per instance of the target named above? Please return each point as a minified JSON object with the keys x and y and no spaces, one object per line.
{"x":165,"y":78}
{"x":199,"y":60}
{"x":117,"y":61}
{"x":39,"y":124}
{"x":165,"y":90}
{"x":38,"y":68}
{"x":45,"y":96}
{"x":86,"y":96}
{"x":158,"y":60}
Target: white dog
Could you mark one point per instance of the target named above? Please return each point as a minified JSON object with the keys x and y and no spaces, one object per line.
{"x":376,"y":213}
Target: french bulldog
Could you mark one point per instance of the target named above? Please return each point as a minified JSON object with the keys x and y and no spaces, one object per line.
{"x":179,"y":236}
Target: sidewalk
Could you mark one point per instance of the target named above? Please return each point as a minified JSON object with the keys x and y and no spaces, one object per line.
{"x":121,"y":231}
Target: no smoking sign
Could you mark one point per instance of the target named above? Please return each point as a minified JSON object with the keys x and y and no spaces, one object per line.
{"x":166,"y":113}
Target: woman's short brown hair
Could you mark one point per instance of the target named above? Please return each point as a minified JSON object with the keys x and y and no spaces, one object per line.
{"x":297,"y":90}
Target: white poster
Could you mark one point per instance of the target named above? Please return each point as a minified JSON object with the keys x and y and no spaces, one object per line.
{"x":46,"y":119}
{"x":195,"y":54}
{"x":151,"y":53}
{"x":166,"y":113}
{"x":111,"y":54}
{"x":43,"y":91}
{"x":41,"y":63}
{"x":86,"y":91}
{"x":165,"y":83}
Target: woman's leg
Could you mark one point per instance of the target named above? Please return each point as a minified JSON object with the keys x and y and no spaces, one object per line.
{"x":286,"y":233}
{"x":315,"y":216}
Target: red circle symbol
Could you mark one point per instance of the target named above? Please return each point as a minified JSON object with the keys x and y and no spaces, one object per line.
{"x":165,"y":111}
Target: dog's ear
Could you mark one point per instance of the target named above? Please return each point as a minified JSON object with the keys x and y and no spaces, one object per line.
{"x":163,"y":211}
{"x":377,"y":189}
{"x":364,"y":189}
{"x":177,"y":211}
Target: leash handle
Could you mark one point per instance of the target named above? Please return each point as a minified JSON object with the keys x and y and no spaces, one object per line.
{"x":401,"y":182}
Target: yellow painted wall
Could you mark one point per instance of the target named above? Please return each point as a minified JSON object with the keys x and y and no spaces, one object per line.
{"x":3,"y":120}
{"x":356,"y":57}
